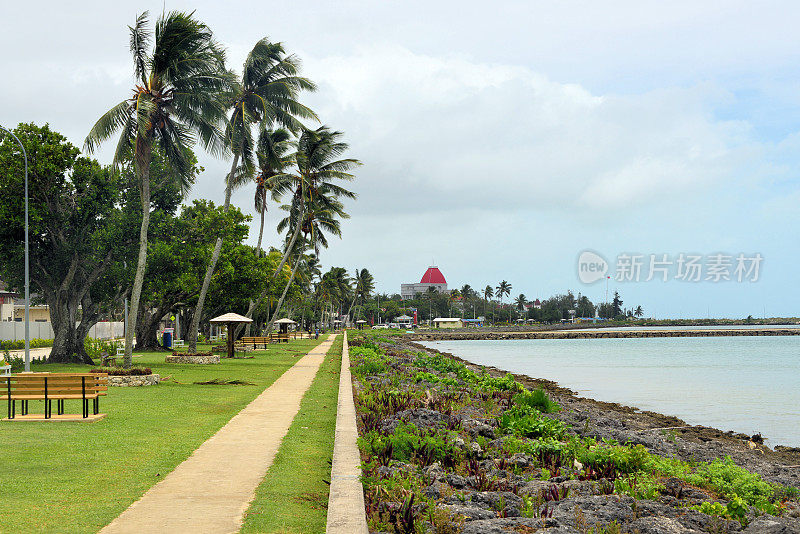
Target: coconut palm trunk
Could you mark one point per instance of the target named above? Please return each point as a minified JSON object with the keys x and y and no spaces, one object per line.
{"x":289,"y":247}
{"x":144,"y":147}
{"x":198,"y":310}
{"x":283,"y":295}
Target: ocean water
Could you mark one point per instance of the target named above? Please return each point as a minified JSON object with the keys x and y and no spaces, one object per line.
{"x":744,"y":384}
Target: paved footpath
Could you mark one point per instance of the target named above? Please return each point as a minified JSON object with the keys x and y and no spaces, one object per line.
{"x":211,"y":490}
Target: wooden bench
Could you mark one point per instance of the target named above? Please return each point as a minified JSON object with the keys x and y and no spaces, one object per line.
{"x":48,"y":387}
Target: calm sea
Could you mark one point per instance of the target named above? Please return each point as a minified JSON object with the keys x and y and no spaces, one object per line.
{"x":745,"y":384}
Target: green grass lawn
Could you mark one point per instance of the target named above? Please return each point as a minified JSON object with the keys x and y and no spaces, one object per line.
{"x":293,"y":497}
{"x":77,"y":477}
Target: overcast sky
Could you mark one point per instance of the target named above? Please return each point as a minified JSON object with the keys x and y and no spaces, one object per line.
{"x":502,"y":140}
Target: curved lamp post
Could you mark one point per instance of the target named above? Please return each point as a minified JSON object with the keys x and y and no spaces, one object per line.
{"x":27,"y":265}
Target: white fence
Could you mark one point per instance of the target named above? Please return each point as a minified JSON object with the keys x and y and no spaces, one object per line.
{"x":12,"y":331}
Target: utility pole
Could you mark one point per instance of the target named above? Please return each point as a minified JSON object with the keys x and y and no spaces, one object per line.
{"x":27,"y":262}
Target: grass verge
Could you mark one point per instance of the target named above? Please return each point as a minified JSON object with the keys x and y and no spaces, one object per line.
{"x":77,"y":477}
{"x":293,"y":497}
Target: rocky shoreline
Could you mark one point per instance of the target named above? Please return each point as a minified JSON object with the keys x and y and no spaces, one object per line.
{"x":477,"y":334}
{"x":480,"y":485}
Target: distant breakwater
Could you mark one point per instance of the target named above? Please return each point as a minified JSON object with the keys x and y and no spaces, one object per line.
{"x":462,"y":335}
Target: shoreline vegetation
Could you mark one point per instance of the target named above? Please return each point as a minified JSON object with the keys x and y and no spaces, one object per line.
{"x":451,"y":447}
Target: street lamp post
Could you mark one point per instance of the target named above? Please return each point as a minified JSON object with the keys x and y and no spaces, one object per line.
{"x":27,"y":264}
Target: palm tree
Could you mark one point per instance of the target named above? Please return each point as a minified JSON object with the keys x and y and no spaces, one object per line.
{"x":267,"y":93}
{"x":178,"y":96}
{"x":272,"y":160}
{"x":488,"y":293}
{"x":639,"y":311}
{"x":365,"y":284}
{"x":503,"y":289}
{"x":317,"y":169}
{"x":321,"y":215}
{"x":521,"y":302}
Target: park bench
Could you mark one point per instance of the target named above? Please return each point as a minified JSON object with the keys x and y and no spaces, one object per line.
{"x":48,"y":387}
{"x":107,"y":360}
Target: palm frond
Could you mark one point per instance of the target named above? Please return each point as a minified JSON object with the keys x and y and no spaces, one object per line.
{"x":107,"y":125}
{"x":140,"y":42}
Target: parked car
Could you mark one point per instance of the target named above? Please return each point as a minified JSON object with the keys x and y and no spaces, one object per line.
{"x":380,"y":327}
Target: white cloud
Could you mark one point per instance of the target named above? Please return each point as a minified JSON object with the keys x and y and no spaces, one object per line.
{"x":455,"y":133}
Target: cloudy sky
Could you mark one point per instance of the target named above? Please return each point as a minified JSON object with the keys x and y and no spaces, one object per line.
{"x":501,"y":140}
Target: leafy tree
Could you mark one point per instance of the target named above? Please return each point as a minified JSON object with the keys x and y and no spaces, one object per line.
{"x":488,"y":292}
{"x":178,"y":95}
{"x":77,"y":230}
{"x":266,"y":94}
{"x":616,"y":305}
{"x":178,"y":252}
{"x":584,"y":307}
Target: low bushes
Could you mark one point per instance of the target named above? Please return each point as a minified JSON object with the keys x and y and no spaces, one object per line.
{"x":119,"y":371}
{"x":19,"y":344}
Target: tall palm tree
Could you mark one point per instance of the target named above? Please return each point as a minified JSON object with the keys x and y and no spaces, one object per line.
{"x":521,"y":302}
{"x":466,"y":294}
{"x":320,"y":216}
{"x":272,"y":160}
{"x":317,"y":169}
{"x":267,"y":94}
{"x":364,"y":285}
{"x":503,"y":289}
{"x":178,"y":97}
{"x":488,"y":292}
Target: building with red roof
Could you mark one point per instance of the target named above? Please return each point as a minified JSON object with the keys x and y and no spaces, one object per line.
{"x":433,"y":277}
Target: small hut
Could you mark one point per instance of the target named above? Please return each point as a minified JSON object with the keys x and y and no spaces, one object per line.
{"x":284,"y":324}
{"x":230,"y":319}
{"x":360,"y":324}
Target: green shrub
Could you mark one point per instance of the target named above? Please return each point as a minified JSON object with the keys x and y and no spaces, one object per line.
{"x":728,"y":479}
{"x":735,"y":509}
{"x":370,"y":361}
{"x":423,"y":376}
{"x":408,"y":444}
{"x":95,"y":348}
{"x":19,"y":344}
{"x":528,"y":422}
{"x":638,"y":486}
{"x":504,"y":383}
{"x":624,"y":459}
{"x":537,"y":399}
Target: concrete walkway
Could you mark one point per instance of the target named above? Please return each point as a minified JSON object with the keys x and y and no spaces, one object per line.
{"x":346,"y":513}
{"x":211,"y":490}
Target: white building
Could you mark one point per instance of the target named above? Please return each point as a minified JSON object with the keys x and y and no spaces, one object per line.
{"x":433,"y":277}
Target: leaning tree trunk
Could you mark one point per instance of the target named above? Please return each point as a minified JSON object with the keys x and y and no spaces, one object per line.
{"x":263,"y":209}
{"x":283,"y":295}
{"x":191,"y":336}
{"x":261,"y":227}
{"x":143,"y":153}
{"x":289,"y":247}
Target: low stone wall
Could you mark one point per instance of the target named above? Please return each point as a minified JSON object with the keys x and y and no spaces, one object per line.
{"x":199,"y":360}
{"x":598,"y":333}
{"x":134,"y":380}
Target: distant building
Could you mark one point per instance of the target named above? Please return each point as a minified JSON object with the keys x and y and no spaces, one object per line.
{"x":6,"y":303}
{"x":447,"y":322}
{"x":433,"y":277}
